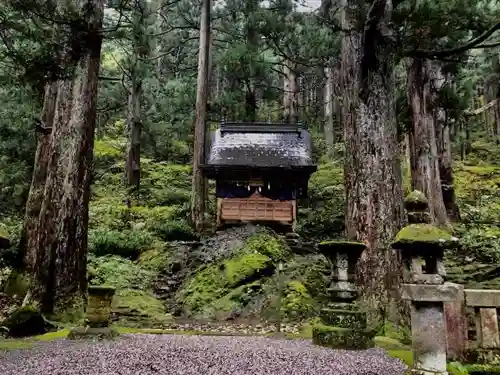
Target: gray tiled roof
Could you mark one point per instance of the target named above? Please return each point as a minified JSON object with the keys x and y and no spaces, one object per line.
{"x":266,"y":147}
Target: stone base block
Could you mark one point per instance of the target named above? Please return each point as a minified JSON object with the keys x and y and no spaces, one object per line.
{"x":447,"y":292}
{"x":342,"y":338}
{"x":88,"y":333}
{"x":343,"y":318}
{"x":482,"y":356}
{"x":422,"y":372}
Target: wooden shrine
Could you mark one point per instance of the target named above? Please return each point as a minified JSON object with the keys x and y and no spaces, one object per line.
{"x":261,"y":170}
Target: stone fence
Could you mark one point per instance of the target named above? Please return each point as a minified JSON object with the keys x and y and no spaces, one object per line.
{"x":481,"y":322}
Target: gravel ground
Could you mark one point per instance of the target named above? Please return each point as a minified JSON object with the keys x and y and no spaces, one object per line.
{"x":190,"y":355}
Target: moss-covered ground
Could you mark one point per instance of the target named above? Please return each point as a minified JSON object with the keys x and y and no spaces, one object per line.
{"x":150,"y":254}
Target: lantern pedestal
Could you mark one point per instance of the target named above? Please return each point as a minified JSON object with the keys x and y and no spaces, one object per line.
{"x":98,"y":315}
{"x":343,"y":323}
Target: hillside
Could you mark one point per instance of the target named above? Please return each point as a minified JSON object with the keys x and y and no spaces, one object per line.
{"x":162,"y":269}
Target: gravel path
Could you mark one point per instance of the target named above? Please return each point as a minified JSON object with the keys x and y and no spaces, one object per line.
{"x":194,"y":355}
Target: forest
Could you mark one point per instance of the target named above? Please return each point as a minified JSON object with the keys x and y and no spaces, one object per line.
{"x":104,"y":115}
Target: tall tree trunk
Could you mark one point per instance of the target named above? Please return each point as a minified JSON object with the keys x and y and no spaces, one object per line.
{"x":372,"y":174}
{"x":337,"y":94}
{"x":291,"y":93}
{"x":134,"y":127}
{"x":29,"y":234}
{"x":443,"y":140}
{"x":497,"y":116}
{"x":61,"y":270}
{"x":425,"y":167}
{"x":198,"y":197}
{"x":142,"y":17}
{"x":329,"y":108}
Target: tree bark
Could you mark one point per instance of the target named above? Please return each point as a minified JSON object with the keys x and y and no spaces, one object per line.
{"x":198,"y":196}
{"x":143,"y":16}
{"x":291,"y":93}
{"x":134,"y":127}
{"x":425,"y":165}
{"x":61,"y":270}
{"x":497,"y":116}
{"x":28,"y":243}
{"x":374,"y":197}
{"x":443,"y":140}
{"x":329,"y":108}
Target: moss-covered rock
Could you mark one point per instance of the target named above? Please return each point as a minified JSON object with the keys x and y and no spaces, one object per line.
{"x":26,"y":321}
{"x":422,"y":234}
{"x":342,"y":338}
{"x":16,"y":285}
{"x":297,"y":303}
{"x":136,"y":308}
{"x":208,"y":284}
{"x":266,"y":244}
{"x":217,"y":283}
{"x":247,"y":267}
{"x":232,"y":304}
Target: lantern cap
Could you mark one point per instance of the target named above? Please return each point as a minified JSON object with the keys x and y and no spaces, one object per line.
{"x":424,"y":237}
{"x":416,"y":201}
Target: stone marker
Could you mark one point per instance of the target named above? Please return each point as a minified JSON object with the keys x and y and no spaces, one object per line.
{"x":422,"y":248}
{"x":98,"y":314}
{"x":456,"y":326}
{"x":343,"y":323}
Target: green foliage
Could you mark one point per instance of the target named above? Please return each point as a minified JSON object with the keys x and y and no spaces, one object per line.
{"x":297,"y":303}
{"x":125,"y":243}
{"x":120,"y":273}
{"x":155,"y":259}
{"x":175,"y":230}
{"x":266,"y":244}
{"x":324,"y":218}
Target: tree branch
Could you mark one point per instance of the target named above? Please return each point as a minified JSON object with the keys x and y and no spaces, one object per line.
{"x":454,"y":51}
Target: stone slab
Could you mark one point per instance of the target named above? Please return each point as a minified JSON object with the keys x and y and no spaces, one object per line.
{"x":428,"y":338}
{"x":482,"y":298}
{"x":446,"y":292}
{"x":455,"y":317}
{"x":488,"y":328}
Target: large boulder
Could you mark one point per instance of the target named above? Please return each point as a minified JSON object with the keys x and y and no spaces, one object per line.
{"x":25,"y":322}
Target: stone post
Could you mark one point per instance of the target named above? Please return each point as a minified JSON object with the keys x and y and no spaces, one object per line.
{"x":98,"y":315}
{"x":99,"y":306}
{"x":343,"y":323}
{"x":422,"y":248}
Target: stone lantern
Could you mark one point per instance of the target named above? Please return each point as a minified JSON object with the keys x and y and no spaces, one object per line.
{"x":422,"y":247}
{"x":343,"y":323}
{"x":99,"y":306}
{"x":98,"y":314}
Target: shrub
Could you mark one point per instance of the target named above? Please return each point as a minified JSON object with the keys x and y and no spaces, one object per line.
{"x":175,"y":230}
{"x":297,"y":303}
{"x":127,"y":244}
{"x":118,"y":272}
